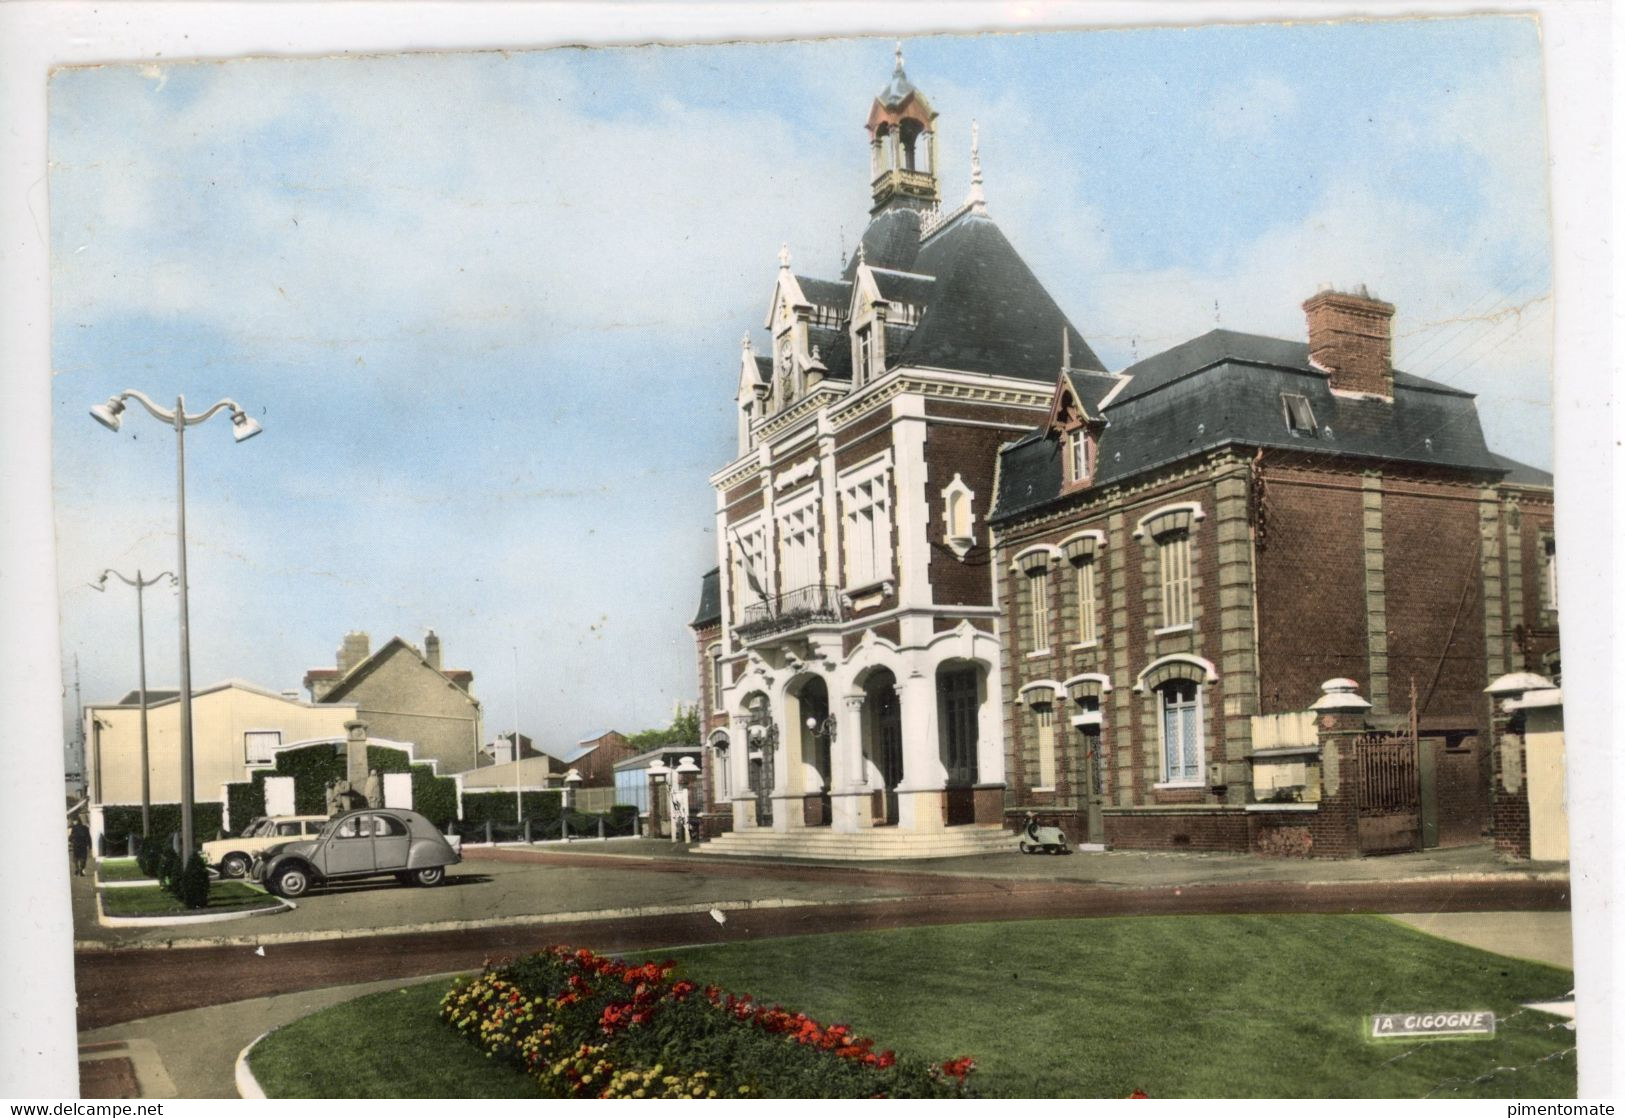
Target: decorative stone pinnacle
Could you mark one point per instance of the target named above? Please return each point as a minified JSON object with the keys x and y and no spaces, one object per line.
{"x":898,"y":54}
{"x":784,"y":255}
{"x":860,"y":253}
{"x":744,"y":342}
{"x":976,"y":199}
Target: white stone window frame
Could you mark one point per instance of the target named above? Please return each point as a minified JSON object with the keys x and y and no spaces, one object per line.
{"x":1198,"y":707}
{"x":748,"y":537}
{"x":713,"y":656}
{"x":1548,"y":572}
{"x":1035,"y":562}
{"x":1193,"y":669}
{"x":1083,"y":550}
{"x":863,"y":488}
{"x":1172,"y":528}
{"x":1077,"y":687}
{"x":250,"y":736}
{"x":1044,"y":730}
{"x":799,"y":538}
{"x":959,"y":542}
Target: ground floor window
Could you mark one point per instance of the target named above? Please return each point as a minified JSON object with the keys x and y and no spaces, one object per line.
{"x":1181,"y":731}
{"x":1044,"y":715}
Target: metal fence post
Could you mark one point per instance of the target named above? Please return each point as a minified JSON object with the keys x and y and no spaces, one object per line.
{"x":600,"y":826}
{"x":564,"y":825}
{"x":488,"y":832}
{"x":129,"y":843}
{"x":527,"y":830}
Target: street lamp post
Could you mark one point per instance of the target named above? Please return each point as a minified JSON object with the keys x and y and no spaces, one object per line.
{"x":140,"y":584}
{"x":243,"y":428}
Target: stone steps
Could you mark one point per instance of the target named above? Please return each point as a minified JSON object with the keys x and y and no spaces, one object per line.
{"x":875,"y":844}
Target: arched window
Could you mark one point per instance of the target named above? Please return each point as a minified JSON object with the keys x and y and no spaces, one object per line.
{"x":1179,"y":703}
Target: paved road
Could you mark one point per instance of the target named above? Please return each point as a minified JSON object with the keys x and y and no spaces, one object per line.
{"x":124,"y":985}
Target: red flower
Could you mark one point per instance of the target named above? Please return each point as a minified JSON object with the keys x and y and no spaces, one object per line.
{"x":1138,"y":1094}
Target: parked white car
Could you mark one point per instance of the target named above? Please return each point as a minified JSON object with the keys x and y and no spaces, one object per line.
{"x":232,"y":856}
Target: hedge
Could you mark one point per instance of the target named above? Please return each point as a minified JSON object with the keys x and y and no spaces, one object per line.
{"x":541,"y":808}
{"x":311,"y":768}
{"x":122,"y":820}
{"x":245,"y":800}
{"x":433,"y":797}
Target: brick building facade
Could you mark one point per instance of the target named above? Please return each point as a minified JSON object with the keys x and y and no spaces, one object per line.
{"x":1185,"y":560}
{"x":965,"y":573}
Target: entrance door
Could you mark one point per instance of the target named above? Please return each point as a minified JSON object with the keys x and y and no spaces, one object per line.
{"x":761,"y":774}
{"x":1094,"y":760}
{"x":1389,"y":810}
{"x":958,"y":691}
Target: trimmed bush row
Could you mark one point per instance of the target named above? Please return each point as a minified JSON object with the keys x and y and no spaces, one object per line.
{"x":119,"y":821}
{"x":590,"y":1027}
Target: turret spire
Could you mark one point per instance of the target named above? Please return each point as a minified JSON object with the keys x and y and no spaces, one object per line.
{"x":902,"y":145}
{"x":976,"y":199}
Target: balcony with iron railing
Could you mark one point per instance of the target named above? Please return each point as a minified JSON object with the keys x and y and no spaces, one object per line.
{"x":817,"y":604}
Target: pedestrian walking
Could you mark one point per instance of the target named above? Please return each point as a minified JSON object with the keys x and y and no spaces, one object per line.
{"x":79,"y":843}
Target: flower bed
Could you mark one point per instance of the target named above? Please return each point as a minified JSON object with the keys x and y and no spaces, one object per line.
{"x":585,"y":1026}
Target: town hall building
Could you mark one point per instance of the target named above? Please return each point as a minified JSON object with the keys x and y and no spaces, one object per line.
{"x":965,"y":573}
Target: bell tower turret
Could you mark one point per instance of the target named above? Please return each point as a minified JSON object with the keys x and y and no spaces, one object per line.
{"x":902,"y":146}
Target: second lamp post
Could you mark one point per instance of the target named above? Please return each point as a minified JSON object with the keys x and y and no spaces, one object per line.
{"x":109,"y":416}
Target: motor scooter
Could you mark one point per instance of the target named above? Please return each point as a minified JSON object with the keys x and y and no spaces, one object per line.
{"x":1042,"y":838}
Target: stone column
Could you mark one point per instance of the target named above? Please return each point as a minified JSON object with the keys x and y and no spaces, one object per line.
{"x":919,"y":796}
{"x":849,"y":786}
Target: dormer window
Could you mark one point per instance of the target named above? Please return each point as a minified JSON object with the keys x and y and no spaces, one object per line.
{"x":1300,"y":421}
{"x":1080,"y":456}
{"x":866,"y":355}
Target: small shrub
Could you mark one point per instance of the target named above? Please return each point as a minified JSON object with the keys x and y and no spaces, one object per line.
{"x":149,"y":854}
{"x":169,"y":868}
{"x":192,"y":885}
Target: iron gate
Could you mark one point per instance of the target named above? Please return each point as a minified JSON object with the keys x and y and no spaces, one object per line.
{"x":1388,"y":803}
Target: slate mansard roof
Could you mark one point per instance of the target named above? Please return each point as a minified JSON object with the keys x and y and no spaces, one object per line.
{"x":1225,"y":388}
{"x":982,"y":309}
{"x":710,"y":611}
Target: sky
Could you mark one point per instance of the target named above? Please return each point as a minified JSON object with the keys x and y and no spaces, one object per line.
{"x":488,"y":306}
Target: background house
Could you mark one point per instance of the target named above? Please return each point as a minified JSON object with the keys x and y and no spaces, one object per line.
{"x":236,"y":727}
{"x":405,"y":694}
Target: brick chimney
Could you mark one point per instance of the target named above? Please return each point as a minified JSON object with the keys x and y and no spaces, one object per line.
{"x":1350,"y":339}
{"x":431,"y":650}
{"x":356,"y":648}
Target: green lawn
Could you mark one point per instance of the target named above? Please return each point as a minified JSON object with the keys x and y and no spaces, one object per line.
{"x":119,"y":869}
{"x":409,"y":1054}
{"x":1189,"y":1006}
{"x":151,"y":900}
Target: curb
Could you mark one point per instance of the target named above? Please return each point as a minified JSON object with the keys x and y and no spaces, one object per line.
{"x":247,"y":1086}
{"x":540,"y":919}
{"x":133,"y":884}
{"x":904,"y":866}
{"x":106,"y":921}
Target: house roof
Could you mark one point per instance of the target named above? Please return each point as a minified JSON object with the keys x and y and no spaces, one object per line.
{"x":527,"y":747}
{"x":1519,"y":473}
{"x":710,"y":611}
{"x":1225,"y":388}
{"x":904,"y":287}
{"x":134,"y":697}
{"x":457,"y":677}
{"x":162,"y":698}
{"x":642,"y":760}
{"x":826,"y":293}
